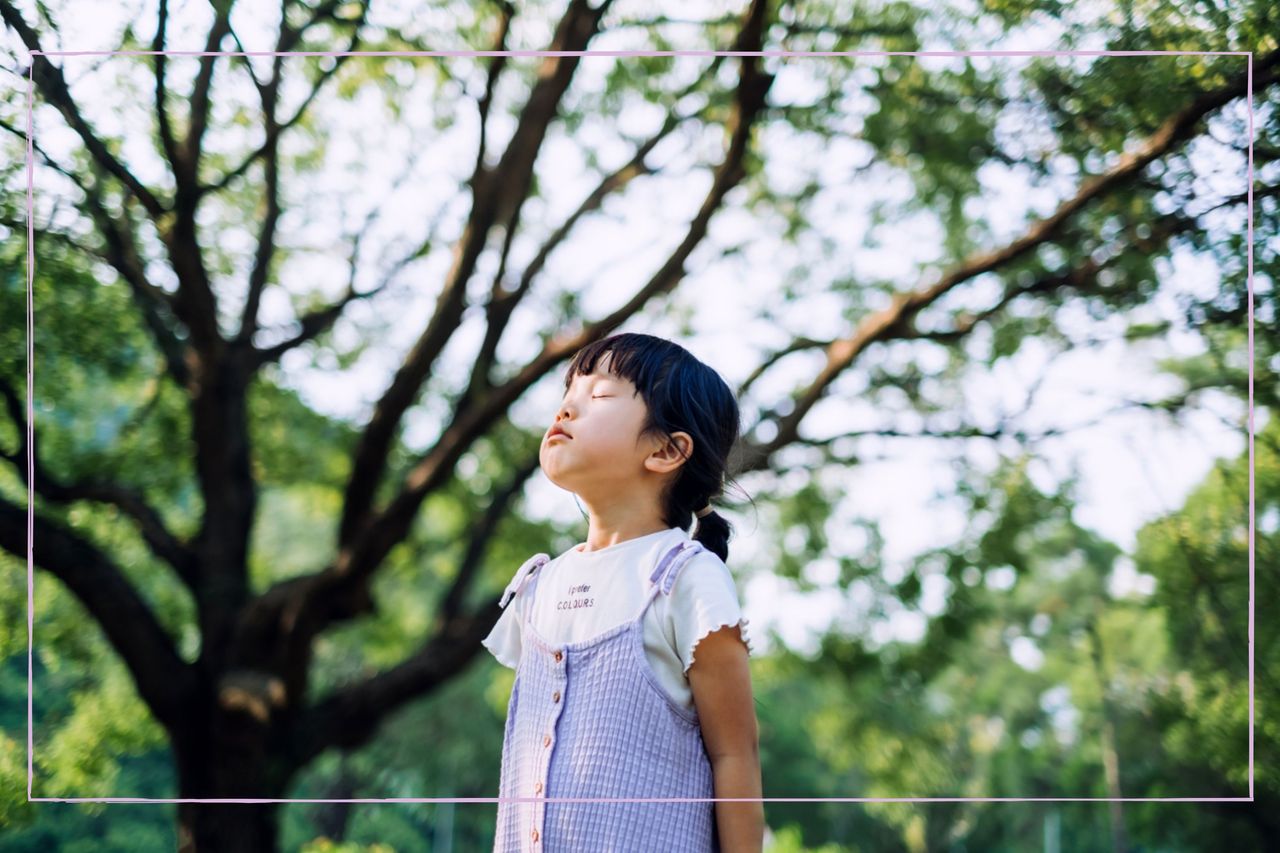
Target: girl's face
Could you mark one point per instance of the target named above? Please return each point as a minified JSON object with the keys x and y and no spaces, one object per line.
{"x":601,"y":457}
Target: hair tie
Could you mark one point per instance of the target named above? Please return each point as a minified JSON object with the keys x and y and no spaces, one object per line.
{"x":705,"y":510}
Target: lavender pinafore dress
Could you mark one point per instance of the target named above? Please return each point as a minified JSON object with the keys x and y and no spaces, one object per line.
{"x":590,"y":720}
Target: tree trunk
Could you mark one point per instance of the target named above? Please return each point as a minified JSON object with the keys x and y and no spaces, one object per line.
{"x":239,"y":827}
{"x":224,"y":755}
{"x":1110,"y":749}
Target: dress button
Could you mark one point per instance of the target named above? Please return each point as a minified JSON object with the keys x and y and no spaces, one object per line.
{"x":546,"y":740}
{"x":535,"y":835}
{"x":555,"y":697}
{"x":537,"y":789}
{"x":558,"y":657}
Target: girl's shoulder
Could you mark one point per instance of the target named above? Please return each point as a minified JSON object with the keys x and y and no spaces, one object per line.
{"x":705,"y":575}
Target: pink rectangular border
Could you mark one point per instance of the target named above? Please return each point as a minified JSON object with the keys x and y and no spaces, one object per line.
{"x":543,"y":53}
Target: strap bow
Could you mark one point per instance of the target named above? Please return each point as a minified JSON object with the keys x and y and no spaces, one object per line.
{"x":517,"y":582}
{"x":670,"y":564}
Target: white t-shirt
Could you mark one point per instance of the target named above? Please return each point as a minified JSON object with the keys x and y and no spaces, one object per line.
{"x":581,"y":594}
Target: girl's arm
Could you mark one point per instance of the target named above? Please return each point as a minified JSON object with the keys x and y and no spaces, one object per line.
{"x":721,"y":684}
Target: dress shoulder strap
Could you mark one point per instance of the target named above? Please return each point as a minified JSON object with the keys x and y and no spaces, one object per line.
{"x":671,"y":563}
{"x":522,"y":574}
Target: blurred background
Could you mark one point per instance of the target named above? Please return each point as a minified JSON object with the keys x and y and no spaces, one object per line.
{"x":301,"y":321}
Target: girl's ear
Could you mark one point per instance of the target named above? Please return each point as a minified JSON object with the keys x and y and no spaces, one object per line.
{"x":671,"y":454}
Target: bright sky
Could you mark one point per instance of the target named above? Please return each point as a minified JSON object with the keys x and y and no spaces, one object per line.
{"x":1134,"y":466}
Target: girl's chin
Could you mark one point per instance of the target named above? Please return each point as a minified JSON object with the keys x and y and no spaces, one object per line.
{"x":552,"y":473}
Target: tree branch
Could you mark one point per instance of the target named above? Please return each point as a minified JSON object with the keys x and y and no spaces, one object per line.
{"x":164,"y":680}
{"x":482,"y":532}
{"x":506,"y":12}
{"x":195,"y":301}
{"x":122,"y":254}
{"x":265,"y":249}
{"x":199,"y":109}
{"x":895,"y":321}
{"x":351,"y":715}
{"x":287,"y":40}
{"x":1080,"y":278}
{"x":317,"y":322}
{"x":502,"y":303}
{"x":800,"y":344}
{"x":167,"y":140}
{"x":49,"y":79}
{"x":162,"y":542}
{"x":496,"y":199}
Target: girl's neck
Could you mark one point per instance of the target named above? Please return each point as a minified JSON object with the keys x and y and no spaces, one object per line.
{"x":598,"y":539}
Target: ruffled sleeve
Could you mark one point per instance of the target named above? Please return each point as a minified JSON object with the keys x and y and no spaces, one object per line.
{"x":704,"y":599}
{"x":503,"y":641}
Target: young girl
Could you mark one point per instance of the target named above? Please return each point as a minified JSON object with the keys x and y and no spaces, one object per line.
{"x":609,"y":700}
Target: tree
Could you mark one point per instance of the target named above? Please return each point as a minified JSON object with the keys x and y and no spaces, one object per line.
{"x":1039,"y":679}
{"x":241,"y":717}
{"x":1200,"y":558}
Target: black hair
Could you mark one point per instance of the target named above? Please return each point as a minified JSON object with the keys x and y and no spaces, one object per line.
{"x":681,"y":394}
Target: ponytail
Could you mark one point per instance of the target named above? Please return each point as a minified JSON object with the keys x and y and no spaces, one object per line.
{"x":713,"y":530}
